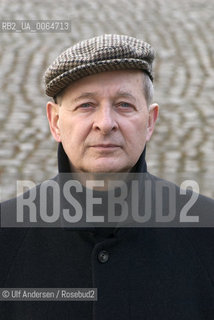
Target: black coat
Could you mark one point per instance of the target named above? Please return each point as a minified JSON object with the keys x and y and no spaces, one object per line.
{"x":140,"y":273}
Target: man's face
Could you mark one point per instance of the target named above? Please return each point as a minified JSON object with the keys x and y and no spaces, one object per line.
{"x":103,"y":121}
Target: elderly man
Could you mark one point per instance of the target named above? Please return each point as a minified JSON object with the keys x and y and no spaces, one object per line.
{"x":102,"y":116}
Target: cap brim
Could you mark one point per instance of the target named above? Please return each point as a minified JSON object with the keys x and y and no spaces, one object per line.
{"x":60,"y":82}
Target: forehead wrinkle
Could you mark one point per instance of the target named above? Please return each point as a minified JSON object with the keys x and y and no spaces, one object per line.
{"x":116,"y":91}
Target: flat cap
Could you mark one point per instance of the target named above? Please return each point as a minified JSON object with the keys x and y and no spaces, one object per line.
{"x":103,"y":53}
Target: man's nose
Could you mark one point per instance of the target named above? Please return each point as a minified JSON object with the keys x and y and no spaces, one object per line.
{"x":104,"y":120}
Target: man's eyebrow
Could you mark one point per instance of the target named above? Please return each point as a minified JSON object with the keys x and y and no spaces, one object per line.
{"x":84,"y":95}
{"x":119,"y":93}
{"x":125,"y":94}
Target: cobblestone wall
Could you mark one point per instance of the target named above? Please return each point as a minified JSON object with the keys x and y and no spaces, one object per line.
{"x":181,"y":31}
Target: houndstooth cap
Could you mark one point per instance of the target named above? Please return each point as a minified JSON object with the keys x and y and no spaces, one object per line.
{"x":103,"y":53}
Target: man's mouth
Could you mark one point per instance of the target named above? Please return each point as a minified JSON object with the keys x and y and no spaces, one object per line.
{"x":105,"y":147}
{"x":109,"y":145}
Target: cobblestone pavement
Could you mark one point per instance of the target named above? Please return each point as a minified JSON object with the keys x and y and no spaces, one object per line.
{"x":181,"y":31}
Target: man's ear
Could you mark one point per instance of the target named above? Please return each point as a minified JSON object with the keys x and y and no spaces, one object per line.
{"x":153,"y":115}
{"x":53,"y":119}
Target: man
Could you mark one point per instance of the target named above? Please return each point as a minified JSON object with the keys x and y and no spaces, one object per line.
{"x":102,"y":116}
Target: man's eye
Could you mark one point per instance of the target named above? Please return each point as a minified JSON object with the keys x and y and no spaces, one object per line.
{"x":125,"y":105}
{"x":85,"y":105}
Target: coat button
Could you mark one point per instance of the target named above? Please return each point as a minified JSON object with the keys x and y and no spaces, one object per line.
{"x":103,"y":256}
